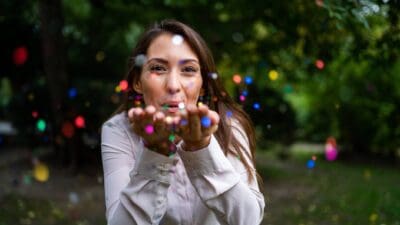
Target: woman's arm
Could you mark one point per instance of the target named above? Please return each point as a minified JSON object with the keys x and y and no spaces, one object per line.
{"x":136,"y":179}
{"x":222,"y":183}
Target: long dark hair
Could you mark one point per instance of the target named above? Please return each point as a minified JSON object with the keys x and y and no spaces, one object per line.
{"x":215,"y":95}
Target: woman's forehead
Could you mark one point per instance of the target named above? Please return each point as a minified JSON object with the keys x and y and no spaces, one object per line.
{"x":164,"y":47}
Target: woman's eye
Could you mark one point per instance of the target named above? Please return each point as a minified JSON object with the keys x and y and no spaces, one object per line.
{"x":158,"y":68}
{"x":189,"y":69}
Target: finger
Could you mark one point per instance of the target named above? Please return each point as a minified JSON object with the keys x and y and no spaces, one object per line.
{"x":135,"y":115}
{"x":194,"y":122}
{"x":159,"y":125}
{"x":209,"y":123}
{"x":183,"y":125}
{"x":147,"y":119}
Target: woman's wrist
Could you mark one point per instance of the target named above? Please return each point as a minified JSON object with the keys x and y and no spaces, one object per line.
{"x":163,"y":148}
{"x":196,"y":145}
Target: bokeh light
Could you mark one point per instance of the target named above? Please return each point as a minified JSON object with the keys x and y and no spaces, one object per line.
{"x":73,"y":198}
{"x":319,"y":63}
{"x":100,"y":55}
{"x":310,"y":164}
{"x":213,"y":76}
{"x":248,"y":80}
{"x":41,"y":125}
{"x":68,"y":129}
{"x":41,"y":172}
{"x":273,"y":75}
{"x":20,"y":55}
{"x":72,"y":92}
{"x":331,"y":151}
{"x":79,"y":122}
{"x":35,"y":114}
{"x":319,"y":3}
{"x":123,"y":85}
{"x":237,"y":79}
{"x":256,"y":106}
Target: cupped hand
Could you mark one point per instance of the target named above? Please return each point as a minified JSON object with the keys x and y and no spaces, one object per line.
{"x":153,"y":126}
{"x":196,"y":126}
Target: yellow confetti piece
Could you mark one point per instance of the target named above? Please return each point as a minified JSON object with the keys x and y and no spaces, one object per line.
{"x":41,"y":172}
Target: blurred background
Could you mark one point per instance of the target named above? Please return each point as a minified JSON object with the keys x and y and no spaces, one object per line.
{"x":320,"y":79}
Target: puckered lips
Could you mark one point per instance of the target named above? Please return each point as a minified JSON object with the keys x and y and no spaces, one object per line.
{"x":171,"y":107}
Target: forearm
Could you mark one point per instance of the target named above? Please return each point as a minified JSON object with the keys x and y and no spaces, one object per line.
{"x":221,"y":188}
{"x":144,"y":199}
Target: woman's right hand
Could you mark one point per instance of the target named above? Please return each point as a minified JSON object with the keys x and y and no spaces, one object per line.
{"x":154,"y":127}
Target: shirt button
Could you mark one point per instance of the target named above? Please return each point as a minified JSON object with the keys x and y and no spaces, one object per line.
{"x":160,"y":200}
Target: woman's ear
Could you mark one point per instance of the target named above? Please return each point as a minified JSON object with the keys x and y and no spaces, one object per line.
{"x":137,"y":86}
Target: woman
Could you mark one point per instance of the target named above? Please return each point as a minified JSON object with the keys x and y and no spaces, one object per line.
{"x":187,"y":157}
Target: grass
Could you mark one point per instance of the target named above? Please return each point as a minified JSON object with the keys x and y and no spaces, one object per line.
{"x":17,"y":209}
{"x":338,"y":192}
{"x":331,"y":193}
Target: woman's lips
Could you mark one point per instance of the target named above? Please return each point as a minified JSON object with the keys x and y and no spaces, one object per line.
{"x":171,"y":107}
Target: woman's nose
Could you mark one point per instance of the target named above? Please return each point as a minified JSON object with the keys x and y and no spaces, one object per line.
{"x":173,"y":83}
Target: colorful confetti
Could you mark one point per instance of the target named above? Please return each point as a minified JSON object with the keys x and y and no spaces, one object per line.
{"x":149,"y":129}
{"x":177,"y":39}
{"x":140,"y":60}
{"x":205,"y":121}
{"x":213,"y":76}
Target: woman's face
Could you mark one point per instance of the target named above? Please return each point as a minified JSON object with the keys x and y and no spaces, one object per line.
{"x":171,"y":75}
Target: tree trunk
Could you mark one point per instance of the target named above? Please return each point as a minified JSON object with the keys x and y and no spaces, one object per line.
{"x":54,"y":59}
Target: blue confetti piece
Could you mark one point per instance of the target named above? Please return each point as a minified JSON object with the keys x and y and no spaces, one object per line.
{"x":229,"y":113}
{"x":205,"y":121}
{"x":184,"y":122}
{"x":245,"y":93}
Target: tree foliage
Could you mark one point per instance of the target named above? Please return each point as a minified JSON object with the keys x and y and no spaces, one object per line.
{"x":352,"y":95}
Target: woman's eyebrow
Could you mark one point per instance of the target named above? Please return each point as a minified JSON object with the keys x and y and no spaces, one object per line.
{"x":161,"y":60}
{"x":183,"y":61}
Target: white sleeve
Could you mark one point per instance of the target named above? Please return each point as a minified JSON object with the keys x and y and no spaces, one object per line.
{"x":135,"y":185}
{"x":222,"y":184}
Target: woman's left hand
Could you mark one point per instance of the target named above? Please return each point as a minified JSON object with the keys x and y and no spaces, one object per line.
{"x":197,"y":124}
